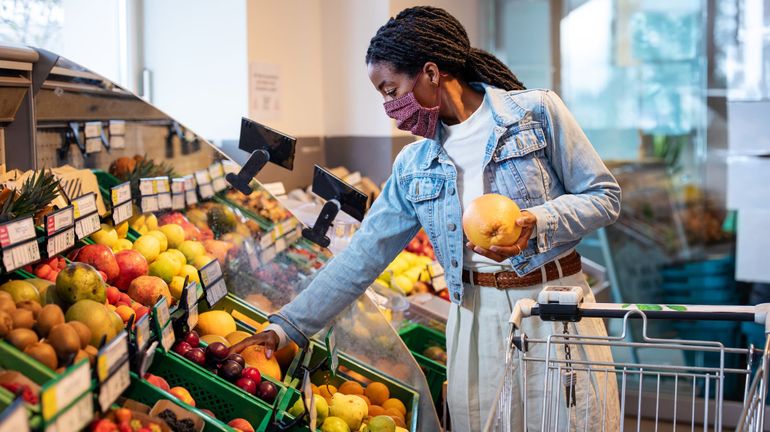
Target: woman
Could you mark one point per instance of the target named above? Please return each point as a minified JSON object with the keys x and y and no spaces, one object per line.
{"x":484,"y":133}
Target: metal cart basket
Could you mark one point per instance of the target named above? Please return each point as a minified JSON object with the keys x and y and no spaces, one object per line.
{"x":672,"y":396}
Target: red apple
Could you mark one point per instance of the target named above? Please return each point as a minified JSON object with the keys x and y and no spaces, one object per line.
{"x":267,"y":391}
{"x":252,"y":374}
{"x":192,"y":338}
{"x":182,"y":348}
{"x":196,"y":355}
{"x":132,"y":265}
{"x":101,"y":258}
{"x":247,"y":385}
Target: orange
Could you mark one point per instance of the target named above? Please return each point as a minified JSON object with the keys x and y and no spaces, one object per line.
{"x":368,"y":402}
{"x":375,"y":410}
{"x":125,"y":312}
{"x":395,"y":404}
{"x":327,"y":391}
{"x":377,"y":393}
{"x":394,"y":413}
{"x":351,"y":388}
{"x":490,"y":220}
{"x":314,"y":389}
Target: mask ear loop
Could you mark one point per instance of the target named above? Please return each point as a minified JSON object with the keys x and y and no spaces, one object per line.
{"x":438,"y":89}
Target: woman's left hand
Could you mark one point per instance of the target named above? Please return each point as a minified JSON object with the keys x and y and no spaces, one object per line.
{"x":527,"y":222}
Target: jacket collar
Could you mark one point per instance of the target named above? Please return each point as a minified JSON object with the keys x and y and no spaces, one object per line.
{"x":505,"y":111}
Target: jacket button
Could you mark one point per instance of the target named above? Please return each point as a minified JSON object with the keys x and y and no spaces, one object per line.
{"x":451,"y":226}
{"x":454,"y":263}
{"x":457,"y":296}
{"x":451,"y":191}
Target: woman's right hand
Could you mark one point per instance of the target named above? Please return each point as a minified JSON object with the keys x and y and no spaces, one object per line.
{"x":268,"y":339}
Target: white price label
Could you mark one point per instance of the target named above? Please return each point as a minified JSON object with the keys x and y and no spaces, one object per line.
{"x":93,"y":145}
{"x":191,"y":197}
{"x":93,"y":130}
{"x":161,"y":185}
{"x":191,"y":293}
{"x":149,"y":204}
{"x":192,"y":317}
{"x":216,"y":170}
{"x":230,"y":167}
{"x":206,"y":191}
{"x":60,"y":242}
{"x":111,"y":389}
{"x":177,"y":186}
{"x":59,"y":220}
{"x":85,"y":205}
{"x":87,"y":225}
{"x":15,"y":418}
{"x":275,"y":189}
{"x":167,"y":339}
{"x":177,"y":201}
{"x":76,"y":418}
{"x":147,"y":186}
{"x":65,"y":390}
{"x":142,"y":332}
{"x":164,"y":201}
{"x":112,"y":356}
{"x":117,"y":127}
{"x":16,"y":231}
{"x":162,"y":315}
{"x":189,"y":182}
{"x":202,"y":177}
{"x":210,"y":273}
{"x":21,"y":255}
{"x":216,"y":292}
{"x":122,"y":212}
{"x":219,"y":184}
{"x":120,"y":193}
{"x":117,"y":142}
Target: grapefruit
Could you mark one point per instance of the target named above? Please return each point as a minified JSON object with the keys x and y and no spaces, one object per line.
{"x":490,"y":220}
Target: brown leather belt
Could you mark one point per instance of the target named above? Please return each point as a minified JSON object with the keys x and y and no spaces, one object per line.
{"x":570,"y":265}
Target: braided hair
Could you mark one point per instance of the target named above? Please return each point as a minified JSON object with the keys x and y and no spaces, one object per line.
{"x":421,"y":34}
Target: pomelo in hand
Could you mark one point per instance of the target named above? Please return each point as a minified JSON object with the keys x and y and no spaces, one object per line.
{"x":490,"y":220}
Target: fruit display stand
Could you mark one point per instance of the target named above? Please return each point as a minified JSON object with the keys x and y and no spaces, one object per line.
{"x":420,"y":339}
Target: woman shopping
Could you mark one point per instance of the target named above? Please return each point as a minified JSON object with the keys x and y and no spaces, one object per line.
{"x":483,"y":133}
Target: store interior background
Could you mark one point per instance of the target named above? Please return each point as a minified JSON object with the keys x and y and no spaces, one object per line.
{"x":671,"y":93}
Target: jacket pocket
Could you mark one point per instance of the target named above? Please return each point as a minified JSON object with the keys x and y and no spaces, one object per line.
{"x":524,"y":140}
{"x":422,"y":187}
{"x":521,"y":160}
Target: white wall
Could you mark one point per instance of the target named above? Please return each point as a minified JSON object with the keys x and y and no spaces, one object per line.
{"x":90,"y":36}
{"x":196,"y":51}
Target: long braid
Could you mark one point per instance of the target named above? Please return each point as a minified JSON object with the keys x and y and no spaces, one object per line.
{"x":421,"y":34}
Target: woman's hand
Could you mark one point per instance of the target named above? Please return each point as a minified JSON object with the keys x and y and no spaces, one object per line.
{"x":268,"y":339}
{"x":527,"y":222}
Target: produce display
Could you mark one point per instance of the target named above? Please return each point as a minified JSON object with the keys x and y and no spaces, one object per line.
{"x":261,"y":203}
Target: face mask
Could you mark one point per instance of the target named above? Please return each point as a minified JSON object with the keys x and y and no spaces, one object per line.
{"x":412,"y":117}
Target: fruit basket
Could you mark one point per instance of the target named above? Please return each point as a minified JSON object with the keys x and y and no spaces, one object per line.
{"x":426,"y":345}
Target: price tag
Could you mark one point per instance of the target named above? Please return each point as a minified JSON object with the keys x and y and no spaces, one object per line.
{"x":60,"y":242}
{"x":162,"y":185}
{"x":117,"y":142}
{"x":275,"y":189}
{"x":59,"y":220}
{"x":112,"y":370}
{"x":164,"y":201}
{"x":15,"y":418}
{"x":230,"y":167}
{"x":16,"y":231}
{"x":331,"y":351}
{"x":93,"y":129}
{"x":162,"y":315}
{"x":189,"y":182}
{"x":76,"y":417}
{"x":191,"y":295}
{"x":192,"y":317}
{"x":177,"y":186}
{"x":147,"y":186}
{"x":111,"y":389}
{"x":21,"y":255}
{"x":117,"y":134}
{"x":87,"y":225}
{"x":219,"y":184}
{"x":122,"y":213}
{"x":60,"y":392}
{"x":167,"y":337}
{"x":216,"y":170}
{"x":120,"y":193}
{"x":149,"y":204}
{"x":190,"y":197}
{"x":177,"y":202}
{"x":206,"y":190}
{"x":142,"y":332}
{"x":216,"y":292}
{"x":202,"y":177}
{"x":210,"y":273}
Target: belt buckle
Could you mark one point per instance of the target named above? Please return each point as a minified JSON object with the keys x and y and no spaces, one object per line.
{"x":494,"y":277}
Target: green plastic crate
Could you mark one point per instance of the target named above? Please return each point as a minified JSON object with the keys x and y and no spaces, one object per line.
{"x":418,"y":338}
{"x":211,"y":392}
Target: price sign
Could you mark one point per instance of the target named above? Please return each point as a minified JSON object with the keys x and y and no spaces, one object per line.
{"x":189,"y":190}
{"x":122,"y":213}
{"x":60,"y":242}
{"x":202,"y":177}
{"x":167,"y":337}
{"x":162,"y":185}
{"x":93,"y":134}
{"x":331,"y":351}
{"x":149,"y":204}
{"x":15,"y":417}
{"x":76,"y":417}
{"x":177,"y":194}
{"x":164,"y":201}
{"x":230,"y":167}
{"x":120,"y":193}
{"x":142,"y":332}
{"x":210,"y":273}
{"x":216,"y":292}
{"x":16,"y":231}
{"x":275,"y":189}
{"x":192,"y":316}
{"x":216,"y":170}
{"x":117,"y":134}
{"x":60,"y":392}
{"x":219,"y":184}
{"x":213,"y":282}
{"x":177,"y":186}
{"x":163,"y":325}
{"x":86,"y":215}
{"x":59,"y":220}
{"x":206,"y":190}
{"x":122,"y":209}
{"x":162,"y":315}
{"x":112,"y":370}
{"x":191,"y":295}
{"x":268,"y":238}
{"x":177,"y":202}
{"x":147,"y":187}
{"x":18,"y":256}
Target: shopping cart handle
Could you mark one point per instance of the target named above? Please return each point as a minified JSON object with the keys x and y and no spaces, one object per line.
{"x":522,"y":309}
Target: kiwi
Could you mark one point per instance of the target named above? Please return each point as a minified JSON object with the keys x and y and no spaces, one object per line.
{"x":83,"y":331}
{"x":44,"y":353}
{"x":7,"y":304}
{"x":80,"y":356}
{"x":50,"y":316}
{"x":6,"y":323}
{"x":21,"y":338}
{"x":23,"y":318}
{"x":65,"y":341}
{"x":32,"y":306}
{"x":91,"y":352}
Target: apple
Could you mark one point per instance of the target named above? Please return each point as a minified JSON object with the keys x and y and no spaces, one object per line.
{"x":196,"y":355}
{"x":267,"y":391}
{"x":217,"y":351}
{"x":252,"y":374}
{"x":241,"y":425}
{"x":192,"y":338}
{"x":132,"y":265}
{"x":247,"y":385}
{"x":101,"y":258}
{"x":182,"y":348}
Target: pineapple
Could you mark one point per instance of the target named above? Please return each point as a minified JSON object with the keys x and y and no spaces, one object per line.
{"x":34,"y":197}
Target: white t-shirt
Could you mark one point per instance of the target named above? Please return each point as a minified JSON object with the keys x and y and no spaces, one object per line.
{"x":465,"y":143}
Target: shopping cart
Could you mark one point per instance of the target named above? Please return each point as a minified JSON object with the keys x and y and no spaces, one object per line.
{"x":651,"y":395}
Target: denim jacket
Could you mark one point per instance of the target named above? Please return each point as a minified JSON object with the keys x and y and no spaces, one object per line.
{"x":537,"y":155}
